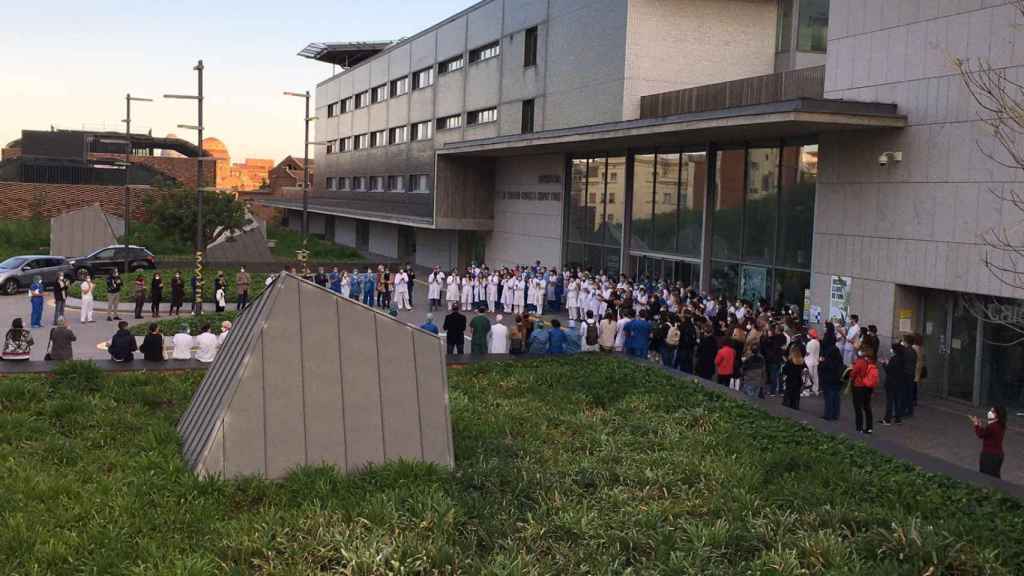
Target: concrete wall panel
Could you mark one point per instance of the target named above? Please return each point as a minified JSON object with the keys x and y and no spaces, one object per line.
{"x":364,"y":429}
{"x":399,"y":399}
{"x":321,"y":377}
{"x":244,"y":434}
{"x":79,"y":232}
{"x":285,"y":428}
{"x":484,"y":24}
{"x":432,"y":387}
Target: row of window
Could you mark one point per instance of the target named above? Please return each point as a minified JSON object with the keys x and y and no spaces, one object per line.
{"x":425,"y":77}
{"x":416,"y":132}
{"x":393,"y":183}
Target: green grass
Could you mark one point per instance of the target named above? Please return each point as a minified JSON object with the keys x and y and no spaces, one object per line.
{"x":170,"y":326}
{"x":157,"y":241}
{"x":24,"y":237}
{"x":256,"y":285}
{"x":320,"y":250}
{"x":585,"y":465}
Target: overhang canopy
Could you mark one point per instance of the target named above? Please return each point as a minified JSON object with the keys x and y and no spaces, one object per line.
{"x":344,"y":54}
{"x":800,"y":118}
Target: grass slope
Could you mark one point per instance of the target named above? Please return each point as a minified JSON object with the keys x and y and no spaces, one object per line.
{"x":19,"y":237}
{"x":320,"y":250}
{"x":585,"y":465}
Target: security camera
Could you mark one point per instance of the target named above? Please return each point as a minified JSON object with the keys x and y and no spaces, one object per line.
{"x":886,"y":157}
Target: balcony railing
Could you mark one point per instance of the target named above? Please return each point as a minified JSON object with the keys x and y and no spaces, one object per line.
{"x":802,"y":83}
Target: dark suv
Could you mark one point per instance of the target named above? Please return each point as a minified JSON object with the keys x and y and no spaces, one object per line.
{"x":104,"y":260}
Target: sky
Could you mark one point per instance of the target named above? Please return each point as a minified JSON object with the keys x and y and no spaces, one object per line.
{"x":69,"y":63}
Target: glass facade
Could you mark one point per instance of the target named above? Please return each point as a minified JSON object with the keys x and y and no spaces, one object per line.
{"x":812,"y":27}
{"x":784,"y":29}
{"x":760,"y":207}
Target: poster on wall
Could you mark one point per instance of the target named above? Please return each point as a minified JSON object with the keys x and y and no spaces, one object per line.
{"x":839,"y":297}
{"x":753,"y":283}
{"x":807,"y":305}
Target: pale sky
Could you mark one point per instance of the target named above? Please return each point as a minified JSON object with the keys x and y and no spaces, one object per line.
{"x":69,"y":63}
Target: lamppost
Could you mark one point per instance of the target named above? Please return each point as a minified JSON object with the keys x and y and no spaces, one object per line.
{"x":128,"y":99}
{"x":303,"y":254}
{"x":200,"y":246}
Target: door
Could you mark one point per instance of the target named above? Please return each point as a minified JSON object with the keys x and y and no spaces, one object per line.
{"x":936,"y":342}
{"x":471,"y":249}
{"x":407,"y":243}
{"x":950,"y":346}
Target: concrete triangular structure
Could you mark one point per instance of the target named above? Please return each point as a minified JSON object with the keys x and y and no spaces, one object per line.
{"x":79,"y":232}
{"x":248,"y":244}
{"x":309,"y":377}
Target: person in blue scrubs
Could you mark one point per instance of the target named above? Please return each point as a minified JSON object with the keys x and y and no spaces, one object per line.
{"x":638,"y":335}
{"x":36,"y":297}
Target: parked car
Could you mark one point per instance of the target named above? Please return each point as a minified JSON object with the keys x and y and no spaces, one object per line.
{"x":17,"y":272}
{"x":105,"y":260}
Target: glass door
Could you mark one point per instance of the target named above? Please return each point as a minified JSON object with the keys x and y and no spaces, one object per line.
{"x":936,"y":342}
{"x":963,"y":350}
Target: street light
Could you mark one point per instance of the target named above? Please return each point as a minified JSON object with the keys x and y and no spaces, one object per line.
{"x":198,"y":127}
{"x":128,"y":99}
{"x":305,"y":166}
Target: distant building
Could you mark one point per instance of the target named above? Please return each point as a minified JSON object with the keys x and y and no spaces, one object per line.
{"x":244,"y":177}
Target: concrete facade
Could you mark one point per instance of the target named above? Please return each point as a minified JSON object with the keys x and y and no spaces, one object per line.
{"x":527,"y":213}
{"x":919,"y":222}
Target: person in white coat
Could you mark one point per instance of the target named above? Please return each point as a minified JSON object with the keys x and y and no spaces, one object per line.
{"x":435,"y":284}
{"x":183,"y":343}
{"x":589,"y":328}
{"x":497,"y":338}
{"x":812,"y":359}
{"x":492,"y":292}
{"x":87,"y":287}
{"x":572,"y":299}
{"x":538,"y":293}
{"x":518,"y":295}
{"x":346,"y":284}
{"x":467,"y":292}
{"x":507,"y":293}
{"x":402,"y":290}
{"x":451,"y":295}
{"x":206,"y":345}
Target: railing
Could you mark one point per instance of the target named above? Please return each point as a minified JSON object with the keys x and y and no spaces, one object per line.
{"x":802,"y":83}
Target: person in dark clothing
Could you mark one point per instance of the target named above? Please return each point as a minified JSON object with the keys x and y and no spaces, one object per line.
{"x":991,"y":434}
{"x":177,"y":294}
{"x":156,"y":295}
{"x":909,"y":376}
{"x":830,"y":377}
{"x":870,"y":339}
{"x":140,"y":295}
{"x":688,"y":341}
{"x":61,"y":338}
{"x":829,"y":337}
{"x":455,"y":327}
{"x":153,"y":344}
{"x":894,"y":375}
{"x":114,"y":284}
{"x":707,"y":349}
{"x":793,"y":378}
{"x":122,"y":344}
{"x":772,"y":348}
{"x":320,"y":278}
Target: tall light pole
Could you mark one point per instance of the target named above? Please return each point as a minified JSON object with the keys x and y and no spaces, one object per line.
{"x":200,"y":244}
{"x":303,"y":254}
{"x":128,"y":99}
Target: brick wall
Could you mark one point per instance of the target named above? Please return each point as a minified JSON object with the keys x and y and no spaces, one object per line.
{"x":18,"y":199}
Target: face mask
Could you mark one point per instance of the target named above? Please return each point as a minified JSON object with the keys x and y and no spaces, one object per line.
{"x":992,"y":416}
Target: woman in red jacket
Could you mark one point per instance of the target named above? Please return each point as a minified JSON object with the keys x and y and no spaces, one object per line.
{"x":724,"y":362}
{"x":991,"y":434}
{"x":864,"y":379}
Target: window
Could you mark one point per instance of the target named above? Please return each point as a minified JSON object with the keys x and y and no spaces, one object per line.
{"x":484,"y":52}
{"x":422,"y":78}
{"x":362,"y":141}
{"x":482,"y":116}
{"x":345,"y":144}
{"x":784,"y":26}
{"x":530,"y":48}
{"x":422,"y":130}
{"x":449,"y":122}
{"x":343,"y":183}
{"x":398,"y":135}
{"x":812,"y":26}
{"x":362,"y":100}
{"x":358,"y":183}
{"x":376,"y":183}
{"x":346,"y":105}
{"x":419,"y":183}
{"x":332,"y":109}
{"x":379,"y":93}
{"x":451,"y":65}
{"x":331,"y":183}
{"x":527,"y":116}
{"x":396,"y":184}
{"x":399,"y":86}
{"x":332,"y":146}
{"x":378,"y":138}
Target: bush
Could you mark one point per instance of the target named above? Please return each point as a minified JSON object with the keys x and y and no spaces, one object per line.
{"x":81,"y":375}
{"x":256,"y":286}
{"x":287,"y":242}
{"x":169,"y":326}
{"x":24,"y":237}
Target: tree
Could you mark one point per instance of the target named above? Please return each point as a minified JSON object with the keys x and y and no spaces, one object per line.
{"x":173,"y":210}
{"x":1000,"y":110}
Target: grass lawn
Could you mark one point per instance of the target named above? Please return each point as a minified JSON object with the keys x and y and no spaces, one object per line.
{"x":256,"y":284}
{"x":320,"y":250}
{"x":19,"y":237}
{"x":585,"y":465}
{"x":169,"y":326}
{"x":157,"y":241}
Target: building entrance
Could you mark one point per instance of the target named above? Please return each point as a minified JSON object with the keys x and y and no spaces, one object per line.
{"x":669,"y":270}
{"x":951,"y":346}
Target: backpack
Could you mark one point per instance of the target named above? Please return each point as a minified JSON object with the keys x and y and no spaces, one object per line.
{"x":591,"y":334}
{"x":672,"y":339}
